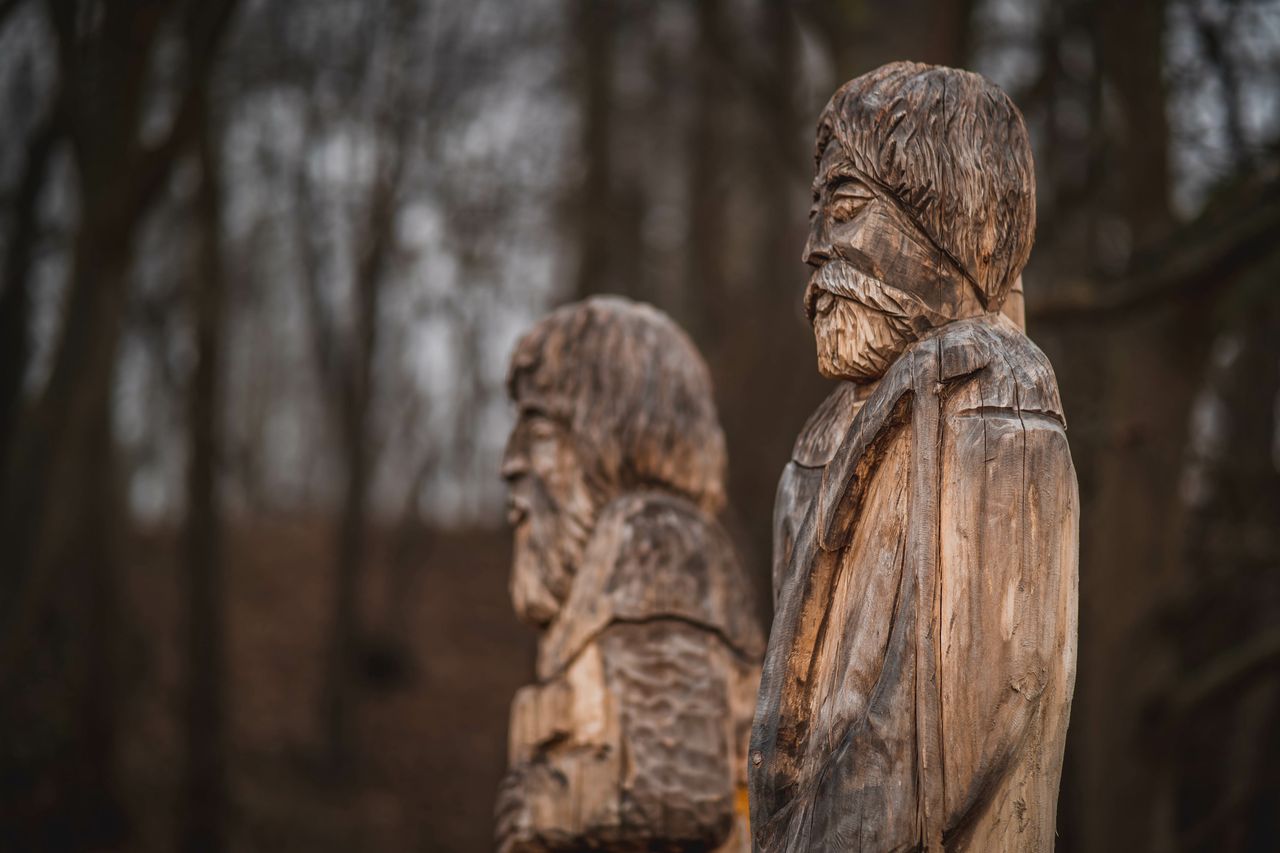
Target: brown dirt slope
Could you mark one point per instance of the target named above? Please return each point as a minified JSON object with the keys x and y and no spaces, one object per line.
{"x":433,"y":709}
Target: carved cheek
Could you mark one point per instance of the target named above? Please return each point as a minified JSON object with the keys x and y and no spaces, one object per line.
{"x":559,"y":469}
{"x":851,"y":240}
{"x":543,"y":455}
{"x":872,"y":240}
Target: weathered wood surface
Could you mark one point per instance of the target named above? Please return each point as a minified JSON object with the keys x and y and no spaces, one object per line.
{"x":917,"y":684}
{"x":634,"y":735}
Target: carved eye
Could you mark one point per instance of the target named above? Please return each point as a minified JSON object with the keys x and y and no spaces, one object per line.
{"x":846,"y":199}
{"x":537,"y":425}
{"x":542,"y":428}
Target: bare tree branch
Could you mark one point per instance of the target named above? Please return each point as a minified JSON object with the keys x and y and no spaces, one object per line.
{"x":204,"y":26}
{"x":1202,"y":261}
{"x":15,"y":299}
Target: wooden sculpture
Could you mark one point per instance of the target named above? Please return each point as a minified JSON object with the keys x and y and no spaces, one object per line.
{"x":918,"y":679}
{"x":634,"y":736}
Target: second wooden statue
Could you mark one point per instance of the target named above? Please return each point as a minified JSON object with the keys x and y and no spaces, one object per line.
{"x":634,"y":735}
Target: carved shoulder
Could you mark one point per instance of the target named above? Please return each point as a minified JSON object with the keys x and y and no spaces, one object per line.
{"x":1013,"y":375}
{"x":655,"y":556}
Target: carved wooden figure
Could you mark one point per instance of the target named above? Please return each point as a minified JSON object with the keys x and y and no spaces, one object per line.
{"x":634,"y":736}
{"x":918,"y":678}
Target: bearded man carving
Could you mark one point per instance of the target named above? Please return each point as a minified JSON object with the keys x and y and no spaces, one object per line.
{"x":918,"y":677}
{"x":634,"y":735}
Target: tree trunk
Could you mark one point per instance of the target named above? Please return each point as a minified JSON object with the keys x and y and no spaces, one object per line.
{"x":594,"y":22}
{"x":705,"y":249}
{"x":1131,"y":551}
{"x":60,"y":499}
{"x":205,"y":788}
{"x":345,"y":632}
{"x":355,"y":395}
{"x":1218,"y":746}
{"x":1131,"y":48}
{"x":1131,"y":564}
{"x":15,"y":300}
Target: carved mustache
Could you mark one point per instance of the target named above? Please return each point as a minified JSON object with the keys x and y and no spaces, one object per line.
{"x":517,"y":510}
{"x":527,"y":500}
{"x":836,"y":278}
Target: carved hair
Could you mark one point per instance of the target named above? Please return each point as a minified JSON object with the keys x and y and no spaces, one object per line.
{"x":952,"y":149}
{"x":633,"y":390}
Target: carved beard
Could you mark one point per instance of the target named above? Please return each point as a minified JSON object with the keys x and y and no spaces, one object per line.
{"x":860,"y":324}
{"x":549,"y":543}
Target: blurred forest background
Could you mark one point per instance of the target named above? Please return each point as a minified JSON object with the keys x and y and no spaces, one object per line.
{"x":263,"y":264}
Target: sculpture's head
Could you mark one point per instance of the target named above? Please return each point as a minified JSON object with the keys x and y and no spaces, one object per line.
{"x":612,"y":397}
{"x":923,"y":211}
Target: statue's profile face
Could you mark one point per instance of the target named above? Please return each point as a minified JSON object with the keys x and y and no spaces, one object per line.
{"x":550,"y":510}
{"x":870,"y":264}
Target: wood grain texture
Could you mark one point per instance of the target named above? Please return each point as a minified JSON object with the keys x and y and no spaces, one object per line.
{"x":634,"y":735}
{"x":917,"y":684}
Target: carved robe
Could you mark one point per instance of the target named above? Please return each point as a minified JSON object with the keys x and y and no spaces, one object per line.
{"x":918,"y":679}
{"x":636,"y":731}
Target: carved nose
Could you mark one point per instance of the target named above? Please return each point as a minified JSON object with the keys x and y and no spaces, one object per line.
{"x":817,"y":249}
{"x":513,"y":464}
